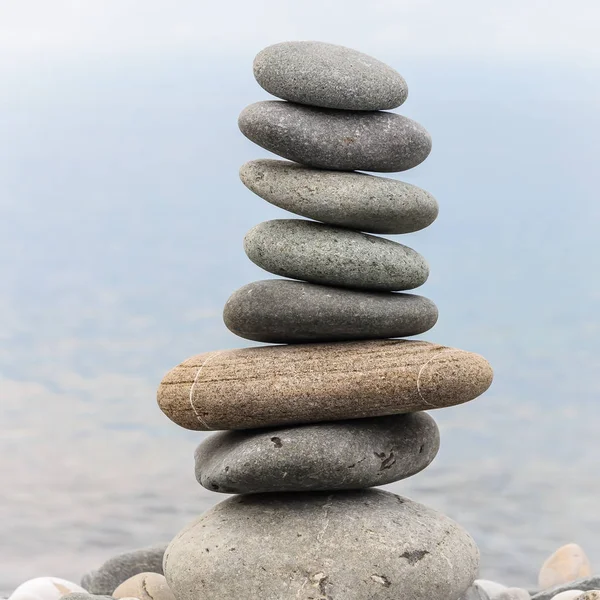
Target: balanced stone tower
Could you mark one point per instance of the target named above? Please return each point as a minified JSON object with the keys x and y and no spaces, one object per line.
{"x":313,"y":423}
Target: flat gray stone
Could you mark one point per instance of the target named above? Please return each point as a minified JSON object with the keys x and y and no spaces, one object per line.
{"x":349,"y":545}
{"x":343,"y":455}
{"x":354,"y":200}
{"x":281,"y":311}
{"x":116,"y":570}
{"x":585,"y":584}
{"x":336,"y":139}
{"x":330,"y":76}
{"x":329,"y":255}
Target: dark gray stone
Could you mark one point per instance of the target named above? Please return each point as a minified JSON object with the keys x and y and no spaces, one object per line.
{"x":343,"y":455}
{"x":116,"y":570}
{"x":585,"y":584}
{"x":330,"y":76}
{"x":334,"y":256}
{"x":336,"y":139}
{"x":282,"y":311}
{"x":354,"y":200}
{"x":350,"y":545}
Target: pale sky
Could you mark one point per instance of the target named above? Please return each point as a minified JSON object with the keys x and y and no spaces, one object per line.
{"x":511,"y":30}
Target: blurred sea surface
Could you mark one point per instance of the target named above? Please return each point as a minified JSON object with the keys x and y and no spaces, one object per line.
{"x":121,"y":226}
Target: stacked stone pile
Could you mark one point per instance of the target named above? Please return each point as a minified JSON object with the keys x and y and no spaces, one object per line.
{"x":311,"y":425}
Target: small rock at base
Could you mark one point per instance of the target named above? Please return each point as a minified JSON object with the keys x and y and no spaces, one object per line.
{"x":568,"y":563}
{"x":590,"y":595}
{"x":45,"y":588}
{"x":144,"y":586}
{"x":119,"y":568}
{"x":585,"y":584}
{"x":336,"y":139}
{"x":568,"y":595}
{"x":513,"y":594}
{"x":328,"y":75}
{"x":86,"y":596}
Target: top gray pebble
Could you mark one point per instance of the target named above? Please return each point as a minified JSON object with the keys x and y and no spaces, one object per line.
{"x":329,"y":76}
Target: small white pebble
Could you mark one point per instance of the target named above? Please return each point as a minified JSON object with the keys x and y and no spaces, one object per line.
{"x":45,"y":588}
{"x":568,"y":595}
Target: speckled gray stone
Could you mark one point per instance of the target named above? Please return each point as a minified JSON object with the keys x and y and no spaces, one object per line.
{"x":585,"y":584}
{"x":118,"y":569}
{"x":329,"y":255}
{"x":336,"y":139}
{"x":354,"y":200}
{"x":327,"y":456}
{"x":350,"y":545}
{"x":330,"y":76}
{"x":281,"y":311}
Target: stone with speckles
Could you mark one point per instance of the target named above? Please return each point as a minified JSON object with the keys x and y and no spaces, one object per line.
{"x":349,"y":545}
{"x":585,"y":584}
{"x":354,"y":200}
{"x":119,"y":568}
{"x":328,"y":75}
{"x":353,"y":454}
{"x":280,"y":311}
{"x":334,"y":256}
{"x":336,"y":139}
{"x":267,"y":386}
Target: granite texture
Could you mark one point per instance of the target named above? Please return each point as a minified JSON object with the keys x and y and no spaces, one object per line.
{"x":145,"y":586}
{"x":334,"y":256}
{"x":336,"y":139}
{"x":353,"y":200}
{"x":349,"y":545}
{"x":119,"y":568}
{"x":585,"y":583}
{"x":308,"y":383}
{"x":281,"y":311}
{"x":330,"y":76}
{"x":325,"y":456}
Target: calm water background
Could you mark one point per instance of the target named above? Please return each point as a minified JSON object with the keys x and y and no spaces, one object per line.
{"x":121,"y":221}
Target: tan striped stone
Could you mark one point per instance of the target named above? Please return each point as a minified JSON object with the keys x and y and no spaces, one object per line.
{"x":307,"y":383}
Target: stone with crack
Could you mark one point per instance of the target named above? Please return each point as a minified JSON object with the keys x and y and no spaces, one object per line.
{"x":351,"y":545}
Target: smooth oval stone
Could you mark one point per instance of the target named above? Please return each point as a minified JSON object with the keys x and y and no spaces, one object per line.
{"x":513,"y":593}
{"x":279,"y":385}
{"x":330,"y":76}
{"x":566,"y":564}
{"x":334,"y":256}
{"x":45,"y":588}
{"x":335,"y":139}
{"x":585,"y":584}
{"x":280,"y":311}
{"x":348,"y":545}
{"x":354,"y":200}
{"x":120,"y":568}
{"x":568,"y":595}
{"x":144,"y":586}
{"x":326,"y":456}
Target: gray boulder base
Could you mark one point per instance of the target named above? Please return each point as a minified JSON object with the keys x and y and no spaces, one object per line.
{"x":281,"y":311}
{"x":353,"y":200}
{"x":330,"y":76}
{"x":327,"y":456}
{"x":352,"y":545}
{"x":329,"y":255}
{"x":585,"y":584}
{"x":118,"y":569}
{"x":336,"y":139}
